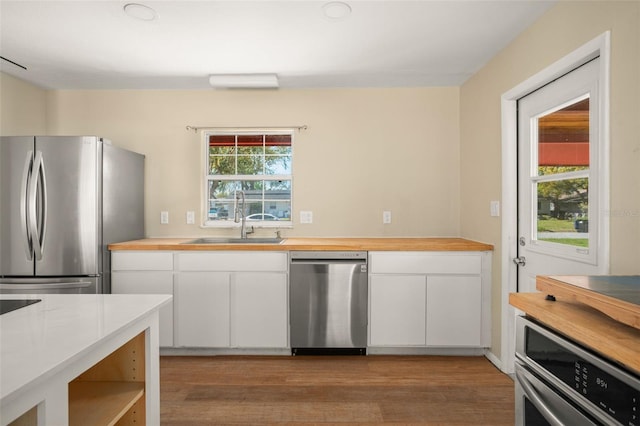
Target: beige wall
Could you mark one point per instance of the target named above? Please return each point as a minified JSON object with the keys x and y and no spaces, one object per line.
{"x":365,"y":151}
{"x":563,"y":29}
{"x":22,"y":107}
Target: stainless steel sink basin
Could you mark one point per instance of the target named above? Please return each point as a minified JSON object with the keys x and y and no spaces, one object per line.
{"x":235,"y":241}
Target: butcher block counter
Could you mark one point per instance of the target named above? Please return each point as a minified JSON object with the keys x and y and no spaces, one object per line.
{"x":608,"y":323}
{"x":328,"y":244}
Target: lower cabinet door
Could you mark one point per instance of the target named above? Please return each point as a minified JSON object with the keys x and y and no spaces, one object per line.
{"x":397,"y":310}
{"x":202,"y":309}
{"x":454,"y":311}
{"x":259,"y":310}
{"x":148,"y":282}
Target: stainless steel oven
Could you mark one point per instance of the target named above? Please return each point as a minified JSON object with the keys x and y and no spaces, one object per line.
{"x":559,"y":382}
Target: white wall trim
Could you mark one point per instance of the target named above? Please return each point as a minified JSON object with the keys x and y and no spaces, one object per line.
{"x":493,"y":358}
{"x":598,"y":46}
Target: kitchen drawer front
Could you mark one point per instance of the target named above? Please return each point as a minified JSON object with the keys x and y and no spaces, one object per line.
{"x":142,"y":261}
{"x":233,"y":261}
{"x":425,"y":263}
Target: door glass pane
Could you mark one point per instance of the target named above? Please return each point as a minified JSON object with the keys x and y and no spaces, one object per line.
{"x":563,"y":139}
{"x":563,"y":212}
{"x":562,"y":188}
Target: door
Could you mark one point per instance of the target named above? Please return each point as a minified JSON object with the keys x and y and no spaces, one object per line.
{"x":558,"y":200}
{"x":16,"y":161}
{"x":71,"y":239}
{"x":458,"y":321}
{"x":328,"y":303}
{"x":259,"y":310}
{"x":201,"y":309}
{"x":398,"y":310}
{"x":149,"y":282}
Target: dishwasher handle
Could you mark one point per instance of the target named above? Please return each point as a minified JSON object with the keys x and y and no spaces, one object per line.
{"x":328,"y":261}
{"x":329,"y":257}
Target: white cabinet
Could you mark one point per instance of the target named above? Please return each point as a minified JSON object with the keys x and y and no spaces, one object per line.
{"x":231,"y":300}
{"x":144,"y":272}
{"x":202,"y":309}
{"x":429,"y":299}
{"x":397,"y":310}
{"x":454,"y":310}
{"x":259,"y":310}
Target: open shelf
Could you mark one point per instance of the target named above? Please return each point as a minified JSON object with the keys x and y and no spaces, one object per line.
{"x":113,"y":390}
{"x":102,"y":403}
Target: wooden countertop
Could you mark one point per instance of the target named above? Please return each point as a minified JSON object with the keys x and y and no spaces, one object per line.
{"x":585,"y":325}
{"x":616,"y":296}
{"x":588,"y":325}
{"x":319,"y":244}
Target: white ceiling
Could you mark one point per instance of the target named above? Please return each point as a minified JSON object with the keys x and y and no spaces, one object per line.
{"x":95,"y":45}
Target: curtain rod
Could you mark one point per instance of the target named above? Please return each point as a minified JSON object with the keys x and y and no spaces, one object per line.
{"x":196,"y":128}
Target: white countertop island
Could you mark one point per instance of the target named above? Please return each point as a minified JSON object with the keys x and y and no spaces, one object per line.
{"x":71,"y":357}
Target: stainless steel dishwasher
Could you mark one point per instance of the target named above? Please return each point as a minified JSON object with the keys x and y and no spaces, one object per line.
{"x":328,"y":302}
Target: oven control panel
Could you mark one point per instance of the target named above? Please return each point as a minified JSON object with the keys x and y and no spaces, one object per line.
{"x":610,"y":389}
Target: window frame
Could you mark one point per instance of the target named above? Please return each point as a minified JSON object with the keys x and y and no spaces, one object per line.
{"x":206,"y":178}
{"x":544,"y":246}
{"x":588,"y":255}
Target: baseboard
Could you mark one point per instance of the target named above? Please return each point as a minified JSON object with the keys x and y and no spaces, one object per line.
{"x":223,"y":351}
{"x":494,"y":359}
{"x":425,"y":351}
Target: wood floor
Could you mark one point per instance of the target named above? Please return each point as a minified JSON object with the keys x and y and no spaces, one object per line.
{"x":334,"y":389}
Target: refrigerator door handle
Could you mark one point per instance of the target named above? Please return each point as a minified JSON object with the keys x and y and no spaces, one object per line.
{"x":24,"y":208}
{"x":38,"y":230}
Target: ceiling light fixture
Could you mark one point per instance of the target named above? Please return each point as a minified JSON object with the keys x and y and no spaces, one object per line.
{"x":336,"y":10}
{"x":244,"y":81}
{"x":140,"y":11}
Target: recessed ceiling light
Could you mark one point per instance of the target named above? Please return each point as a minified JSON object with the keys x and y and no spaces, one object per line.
{"x":140,"y":11}
{"x":336,"y":10}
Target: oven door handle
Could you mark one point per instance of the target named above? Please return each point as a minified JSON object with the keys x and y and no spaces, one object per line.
{"x":536,"y":399}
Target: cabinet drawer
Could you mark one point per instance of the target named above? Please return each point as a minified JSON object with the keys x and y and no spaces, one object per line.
{"x":425,"y":263}
{"x":142,"y":261}
{"x":233,"y":261}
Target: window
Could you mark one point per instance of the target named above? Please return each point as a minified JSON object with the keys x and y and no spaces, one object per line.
{"x":257,"y":163}
{"x":563,"y":175}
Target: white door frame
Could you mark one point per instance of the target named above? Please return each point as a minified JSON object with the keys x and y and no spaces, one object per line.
{"x":598,"y":46}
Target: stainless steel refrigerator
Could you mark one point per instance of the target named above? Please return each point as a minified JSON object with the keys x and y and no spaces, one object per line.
{"x":62,"y":201}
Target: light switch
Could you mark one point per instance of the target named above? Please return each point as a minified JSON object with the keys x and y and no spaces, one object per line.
{"x":306,"y":216}
{"x":191,"y":217}
{"x":495,"y":208}
{"x":164,"y":218}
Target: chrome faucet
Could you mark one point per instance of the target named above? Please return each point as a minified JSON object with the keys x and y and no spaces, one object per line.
{"x":239,"y":214}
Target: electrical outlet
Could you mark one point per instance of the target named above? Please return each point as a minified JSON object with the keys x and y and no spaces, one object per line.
{"x":306,"y":216}
{"x":191,"y":217}
{"x":386,"y":217}
{"x":164,"y":217}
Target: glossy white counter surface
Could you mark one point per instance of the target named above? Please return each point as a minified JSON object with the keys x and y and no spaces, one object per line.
{"x":41,"y":339}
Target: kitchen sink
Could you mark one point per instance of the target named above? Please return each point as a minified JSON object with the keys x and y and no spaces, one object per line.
{"x":235,"y":241}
